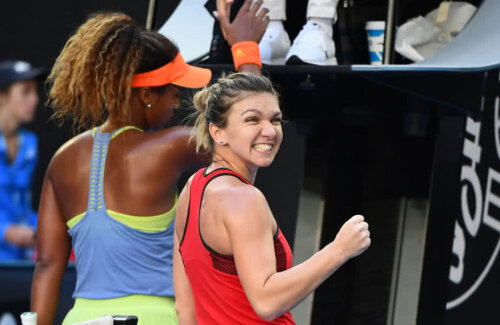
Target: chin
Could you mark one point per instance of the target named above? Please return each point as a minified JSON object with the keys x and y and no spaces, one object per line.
{"x":27,"y":119}
{"x":264,"y":162}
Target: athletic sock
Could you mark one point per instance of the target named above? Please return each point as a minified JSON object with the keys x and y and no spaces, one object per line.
{"x":276,"y":24}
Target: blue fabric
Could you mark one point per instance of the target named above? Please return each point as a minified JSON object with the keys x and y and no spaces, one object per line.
{"x":16,"y":180}
{"x":113,"y":259}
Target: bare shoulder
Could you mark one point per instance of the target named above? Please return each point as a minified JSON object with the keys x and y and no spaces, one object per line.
{"x":184,"y":196}
{"x":237,"y":200}
{"x":71,"y":151}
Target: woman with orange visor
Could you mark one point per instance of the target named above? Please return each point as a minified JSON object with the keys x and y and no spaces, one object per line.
{"x":110,"y":192}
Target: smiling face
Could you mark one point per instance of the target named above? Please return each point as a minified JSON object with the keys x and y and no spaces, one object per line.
{"x":253,"y":131}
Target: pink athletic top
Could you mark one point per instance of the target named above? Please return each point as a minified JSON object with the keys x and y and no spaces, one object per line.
{"x":218,"y":295}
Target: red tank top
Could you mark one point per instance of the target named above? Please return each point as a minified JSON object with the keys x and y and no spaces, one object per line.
{"x":218,"y":295}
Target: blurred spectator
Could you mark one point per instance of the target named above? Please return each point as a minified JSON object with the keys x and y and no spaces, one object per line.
{"x":18,"y":158}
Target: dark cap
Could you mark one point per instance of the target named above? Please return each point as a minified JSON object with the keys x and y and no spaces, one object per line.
{"x":13,"y":71}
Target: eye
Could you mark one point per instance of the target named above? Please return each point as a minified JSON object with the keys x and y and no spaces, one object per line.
{"x":277,"y":120}
{"x":251,"y":119}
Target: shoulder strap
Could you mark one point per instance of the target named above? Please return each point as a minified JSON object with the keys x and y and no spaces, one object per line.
{"x":123,"y":129}
{"x":223,"y":171}
{"x":97,"y":165}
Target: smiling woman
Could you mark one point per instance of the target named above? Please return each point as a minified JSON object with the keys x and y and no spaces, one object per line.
{"x":232,"y":263}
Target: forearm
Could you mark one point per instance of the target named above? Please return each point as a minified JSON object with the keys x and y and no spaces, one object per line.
{"x":184,"y":301}
{"x":45,"y":291}
{"x":284,"y":290}
{"x":186,"y":317}
{"x":251,"y":68}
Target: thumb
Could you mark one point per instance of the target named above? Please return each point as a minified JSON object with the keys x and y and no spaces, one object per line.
{"x":223,"y":11}
{"x":223,"y":22}
{"x":222,"y":18}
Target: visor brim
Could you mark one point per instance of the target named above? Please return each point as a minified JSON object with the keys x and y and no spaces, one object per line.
{"x":194,"y":77}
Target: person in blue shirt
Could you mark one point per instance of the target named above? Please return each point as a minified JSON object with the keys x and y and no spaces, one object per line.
{"x":18,"y":158}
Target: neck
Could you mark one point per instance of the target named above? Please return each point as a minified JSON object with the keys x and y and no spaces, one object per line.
{"x":222,"y":161}
{"x":8,"y":124}
{"x":136,"y":118}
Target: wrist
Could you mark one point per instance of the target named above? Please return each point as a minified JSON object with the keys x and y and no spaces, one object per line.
{"x":246,"y":53}
{"x":338,"y":255}
{"x":251,"y":68}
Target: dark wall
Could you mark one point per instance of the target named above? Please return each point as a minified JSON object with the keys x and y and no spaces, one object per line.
{"x":37,"y":30}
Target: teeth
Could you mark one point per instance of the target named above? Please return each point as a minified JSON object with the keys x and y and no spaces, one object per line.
{"x":263,"y":147}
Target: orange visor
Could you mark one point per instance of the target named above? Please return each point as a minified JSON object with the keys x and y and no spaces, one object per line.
{"x":175,"y":72}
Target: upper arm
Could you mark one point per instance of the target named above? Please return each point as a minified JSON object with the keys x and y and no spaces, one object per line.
{"x":53,"y":251}
{"x":250,"y":226}
{"x":184,"y":301}
{"x":53,"y":241}
{"x":182,"y":209}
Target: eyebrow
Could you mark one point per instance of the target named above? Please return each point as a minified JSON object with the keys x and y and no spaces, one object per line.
{"x":259,"y":112}
{"x":252,"y":110}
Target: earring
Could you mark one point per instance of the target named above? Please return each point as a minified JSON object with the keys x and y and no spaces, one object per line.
{"x":221,"y":142}
{"x":149,"y":105}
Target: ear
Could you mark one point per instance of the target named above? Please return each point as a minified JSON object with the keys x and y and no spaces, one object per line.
{"x":216,"y":133}
{"x":145,"y":94}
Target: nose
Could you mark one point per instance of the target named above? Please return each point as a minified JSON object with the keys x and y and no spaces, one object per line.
{"x":268,"y":130}
{"x":36,"y":98}
{"x":32,"y":98}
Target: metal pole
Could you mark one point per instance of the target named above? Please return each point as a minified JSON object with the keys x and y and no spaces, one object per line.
{"x":151,"y":12}
{"x":389,"y":30}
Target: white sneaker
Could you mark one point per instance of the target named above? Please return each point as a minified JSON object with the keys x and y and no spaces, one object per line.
{"x":312,"y":45}
{"x":274,"y":46}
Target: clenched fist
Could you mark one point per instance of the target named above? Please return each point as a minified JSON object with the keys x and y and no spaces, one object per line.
{"x":353,"y":238}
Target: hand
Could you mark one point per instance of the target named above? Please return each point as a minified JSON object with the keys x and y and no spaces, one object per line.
{"x":249,"y":24}
{"x":20,"y":235}
{"x":353,"y":238}
{"x":224,"y":6}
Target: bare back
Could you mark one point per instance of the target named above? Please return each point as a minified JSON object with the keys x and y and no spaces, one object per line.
{"x":140,"y":174}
